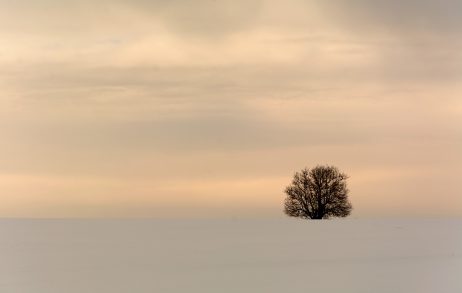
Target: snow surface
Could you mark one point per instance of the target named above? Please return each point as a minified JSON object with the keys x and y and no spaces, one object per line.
{"x":290,"y":255}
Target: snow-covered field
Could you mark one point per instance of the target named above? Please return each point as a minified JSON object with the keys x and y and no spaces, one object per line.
{"x":112,"y":256}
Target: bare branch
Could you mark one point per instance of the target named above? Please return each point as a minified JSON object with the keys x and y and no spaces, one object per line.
{"x":319,"y":193}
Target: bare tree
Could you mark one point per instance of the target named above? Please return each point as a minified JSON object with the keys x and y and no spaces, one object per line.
{"x":319,"y":193}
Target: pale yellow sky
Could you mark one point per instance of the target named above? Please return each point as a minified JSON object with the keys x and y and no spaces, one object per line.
{"x":207,"y":108}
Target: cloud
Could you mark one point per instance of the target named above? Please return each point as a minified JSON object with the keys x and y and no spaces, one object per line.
{"x":206,"y":18}
{"x":396,"y":17}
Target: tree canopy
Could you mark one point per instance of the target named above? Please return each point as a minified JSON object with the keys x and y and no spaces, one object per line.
{"x":318,"y":193}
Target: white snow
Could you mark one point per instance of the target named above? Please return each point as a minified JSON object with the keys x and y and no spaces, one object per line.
{"x":373,"y":256}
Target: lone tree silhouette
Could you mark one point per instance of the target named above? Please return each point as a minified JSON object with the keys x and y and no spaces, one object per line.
{"x":319,"y":193}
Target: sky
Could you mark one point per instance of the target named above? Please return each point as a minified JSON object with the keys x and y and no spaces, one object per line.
{"x":204,"y":109}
